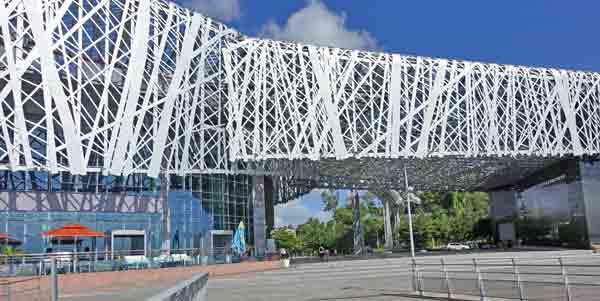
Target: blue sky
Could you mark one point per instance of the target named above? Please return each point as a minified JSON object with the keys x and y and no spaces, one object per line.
{"x":552,"y":33}
{"x":299,"y":210}
{"x":548,"y":33}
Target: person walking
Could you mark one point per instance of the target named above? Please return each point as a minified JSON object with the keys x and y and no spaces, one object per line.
{"x":284,"y":253}
{"x":321,"y":253}
{"x":285,"y":257}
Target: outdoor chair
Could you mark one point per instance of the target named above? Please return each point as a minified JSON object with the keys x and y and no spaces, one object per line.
{"x":164,"y":261}
{"x":27,"y":269}
{"x":105,"y":266}
{"x":183,"y":259}
{"x":136,"y":262}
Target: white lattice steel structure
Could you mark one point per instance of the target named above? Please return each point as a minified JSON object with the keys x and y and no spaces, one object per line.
{"x":124,"y":86}
{"x":144,"y":86}
{"x":298,"y":101}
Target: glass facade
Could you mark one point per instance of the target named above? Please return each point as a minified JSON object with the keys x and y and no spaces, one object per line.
{"x":228,"y":200}
{"x":189,"y":223}
{"x":27,"y":227}
{"x":196,"y":205}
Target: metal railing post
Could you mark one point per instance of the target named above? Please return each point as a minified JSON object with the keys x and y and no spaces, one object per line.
{"x":11,"y":266}
{"x":75,"y":262}
{"x":563,"y":270}
{"x":7,"y":291}
{"x":518,"y":279}
{"x":480,"y":283}
{"x":54,"y":280}
{"x":446,"y":278}
{"x":417,"y":277}
{"x":413,"y":272}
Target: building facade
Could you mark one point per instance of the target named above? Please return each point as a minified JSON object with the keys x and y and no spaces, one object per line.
{"x":136,"y":115}
{"x":564,"y":195}
{"x":175,"y":212}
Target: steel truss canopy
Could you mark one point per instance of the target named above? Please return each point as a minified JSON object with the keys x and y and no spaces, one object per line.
{"x":144,"y":86}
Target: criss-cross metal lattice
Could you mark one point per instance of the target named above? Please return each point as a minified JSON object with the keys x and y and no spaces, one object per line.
{"x":297,"y":101}
{"x":361,"y":116}
{"x":119,"y":85}
{"x":145,"y":86}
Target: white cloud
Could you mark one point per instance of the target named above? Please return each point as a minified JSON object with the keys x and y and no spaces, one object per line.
{"x":223,"y":10}
{"x":316,"y":24}
{"x":295,"y":213}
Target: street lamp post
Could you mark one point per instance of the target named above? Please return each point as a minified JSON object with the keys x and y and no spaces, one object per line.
{"x":410,"y":225}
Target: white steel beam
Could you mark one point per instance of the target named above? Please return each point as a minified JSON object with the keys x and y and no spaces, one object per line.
{"x":165,"y":119}
{"x":54,"y":88}
{"x":126,"y":86}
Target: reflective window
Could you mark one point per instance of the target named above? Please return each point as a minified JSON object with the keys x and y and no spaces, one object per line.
{"x":28,"y":226}
{"x":225,"y":200}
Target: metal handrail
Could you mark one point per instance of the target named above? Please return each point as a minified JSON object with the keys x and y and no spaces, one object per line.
{"x":563,"y":275}
{"x":503,"y":265}
{"x":189,"y":251}
{"x":468,"y":261}
{"x":39,"y":264}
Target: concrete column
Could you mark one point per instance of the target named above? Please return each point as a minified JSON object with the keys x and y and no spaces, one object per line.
{"x":260,"y":227}
{"x":387,"y":220}
{"x":359,"y":239}
{"x":391,"y":209}
{"x":166,"y":229}
{"x":269,"y":205}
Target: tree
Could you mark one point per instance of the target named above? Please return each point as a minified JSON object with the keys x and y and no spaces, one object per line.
{"x":431,"y":201}
{"x":372,"y":209}
{"x":573,"y":232}
{"x":438,"y":218}
{"x":330,"y":201}
{"x":485,"y":229}
{"x":533,"y":229}
{"x":315,"y":234}
{"x":8,"y":253}
{"x":373,"y":227}
{"x":401,"y":230}
{"x":342,"y":220}
{"x":444,"y":217}
{"x":338,"y":233}
{"x":286,"y":238}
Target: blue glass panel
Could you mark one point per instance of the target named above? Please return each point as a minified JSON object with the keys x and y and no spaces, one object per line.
{"x":189,"y":221}
{"x":28,"y":226}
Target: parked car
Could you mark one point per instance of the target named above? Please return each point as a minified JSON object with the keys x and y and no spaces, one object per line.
{"x":487,"y":246}
{"x":454,"y":246}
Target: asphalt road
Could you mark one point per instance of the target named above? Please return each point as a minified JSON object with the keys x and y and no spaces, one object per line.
{"x":390,"y":279}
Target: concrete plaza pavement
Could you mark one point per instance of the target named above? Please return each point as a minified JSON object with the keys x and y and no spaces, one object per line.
{"x":131,"y":285}
{"x":375,"y":279}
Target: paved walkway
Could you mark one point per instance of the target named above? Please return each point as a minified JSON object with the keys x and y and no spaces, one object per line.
{"x":129,"y":285}
{"x":376,"y":279}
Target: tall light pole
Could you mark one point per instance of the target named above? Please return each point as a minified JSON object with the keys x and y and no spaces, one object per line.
{"x":410,"y":225}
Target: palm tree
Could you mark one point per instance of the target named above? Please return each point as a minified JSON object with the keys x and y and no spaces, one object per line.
{"x":9,"y":252}
{"x":330,"y":201}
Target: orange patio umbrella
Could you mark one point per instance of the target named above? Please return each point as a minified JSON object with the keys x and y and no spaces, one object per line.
{"x":71,"y":233}
{"x":72,"y":230}
{"x":8,"y":240}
